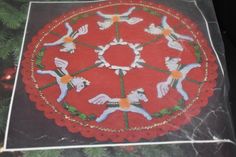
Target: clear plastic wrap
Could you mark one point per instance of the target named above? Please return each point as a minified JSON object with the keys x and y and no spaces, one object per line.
{"x":175,"y":91}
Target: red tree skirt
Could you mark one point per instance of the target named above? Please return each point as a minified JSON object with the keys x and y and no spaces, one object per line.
{"x":126,"y":58}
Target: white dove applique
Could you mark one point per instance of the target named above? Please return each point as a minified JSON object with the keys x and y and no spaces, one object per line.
{"x":67,"y":41}
{"x":169,"y":33}
{"x":109,"y":19}
{"x":176,"y":77}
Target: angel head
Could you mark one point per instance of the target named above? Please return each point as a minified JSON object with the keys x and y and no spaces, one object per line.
{"x":80,"y":83}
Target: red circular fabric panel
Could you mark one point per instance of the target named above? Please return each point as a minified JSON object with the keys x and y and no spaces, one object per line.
{"x":120,"y":70}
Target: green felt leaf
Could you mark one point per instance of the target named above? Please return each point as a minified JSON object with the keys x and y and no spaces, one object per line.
{"x":180,"y":101}
{"x":75,"y":19}
{"x":156,"y":115}
{"x":165,"y":112}
{"x":40,"y":66}
{"x":92,"y":117}
{"x":177,"y":108}
{"x":41,"y":53}
{"x":152,"y":12}
{"x":72,"y":109}
{"x":198,"y":53}
{"x":83,"y":116}
{"x":65,"y":105}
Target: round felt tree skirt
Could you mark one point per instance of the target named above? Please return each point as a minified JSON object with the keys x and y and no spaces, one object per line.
{"x":120,"y":70}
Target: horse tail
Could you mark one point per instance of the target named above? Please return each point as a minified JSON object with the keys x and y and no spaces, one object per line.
{"x":99,"y":99}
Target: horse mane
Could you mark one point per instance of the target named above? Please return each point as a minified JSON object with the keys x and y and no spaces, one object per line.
{"x":171,"y":63}
{"x":86,"y":82}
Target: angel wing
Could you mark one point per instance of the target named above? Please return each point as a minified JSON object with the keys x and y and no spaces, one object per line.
{"x":99,"y":99}
{"x":105,"y":24}
{"x":152,"y":29}
{"x":81,"y":31}
{"x":164,"y":23}
{"x":162,"y":89}
{"x":134,"y":20}
{"x":105,"y":16}
{"x":69,"y":29}
{"x":175,"y":45}
{"x":128,"y":12}
{"x":60,"y":63}
{"x":183,"y":37}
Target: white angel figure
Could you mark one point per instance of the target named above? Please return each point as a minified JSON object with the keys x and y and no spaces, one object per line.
{"x":177,"y":75}
{"x":109,"y":19}
{"x":67,"y":41}
{"x":128,"y":104}
{"x":169,"y":33}
{"x":64,"y":79}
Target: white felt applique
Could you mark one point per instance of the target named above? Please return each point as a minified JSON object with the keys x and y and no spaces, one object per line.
{"x":172,"y":37}
{"x":177,"y":75}
{"x":67,"y":41}
{"x":122,"y":104}
{"x":63,"y":78}
{"x":109,"y":19}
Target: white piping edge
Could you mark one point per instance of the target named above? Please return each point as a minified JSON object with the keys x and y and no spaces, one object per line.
{"x":209,"y":34}
{"x":16,"y":78}
{"x":127,"y":144}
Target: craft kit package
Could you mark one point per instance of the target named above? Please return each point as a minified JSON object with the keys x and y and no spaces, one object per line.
{"x":122,"y":73}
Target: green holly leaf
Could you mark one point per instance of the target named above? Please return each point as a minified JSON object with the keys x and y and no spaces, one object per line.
{"x":72,"y":109}
{"x":198,"y":53}
{"x":156,"y":115}
{"x":41,"y":53}
{"x":38,"y":62}
{"x":65,"y":105}
{"x":92,"y":117}
{"x":177,"y":108}
{"x":165,"y":112}
{"x":83,"y":116}
{"x":75,"y":19}
{"x":40,"y":66}
{"x":180,"y":101}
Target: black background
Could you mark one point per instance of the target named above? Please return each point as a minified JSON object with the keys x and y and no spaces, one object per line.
{"x":225,"y":12}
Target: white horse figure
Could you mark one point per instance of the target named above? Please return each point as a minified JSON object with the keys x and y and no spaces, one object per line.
{"x":122,"y":104}
{"x":177,"y":74}
{"x":63,"y":78}
{"x":67,"y":40}
{"x":169,"y":34}
{"x":109,"y":19}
